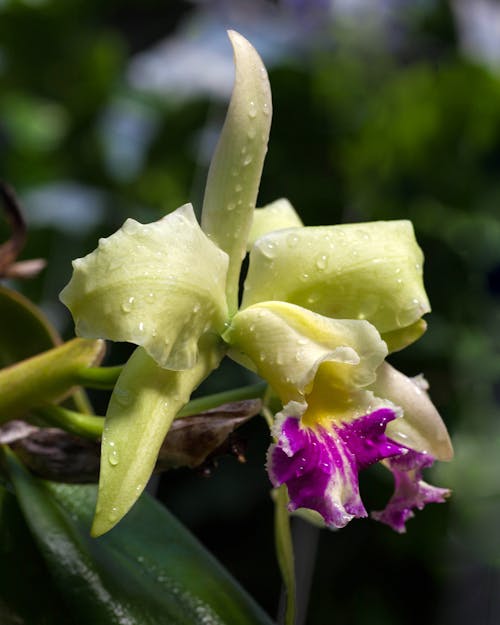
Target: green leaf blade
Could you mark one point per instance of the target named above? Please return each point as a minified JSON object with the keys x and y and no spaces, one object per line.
{"x":149,"y":571}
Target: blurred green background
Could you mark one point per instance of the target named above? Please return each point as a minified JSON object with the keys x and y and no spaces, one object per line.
{"x":383,"y":109}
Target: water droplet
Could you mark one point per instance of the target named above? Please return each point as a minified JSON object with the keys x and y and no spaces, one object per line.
{"x":292,"y":240}
{"x":113,"y":458}
{"x":409,"y":314}
{"x":251,"y":133}
{"x":247,"y":160}
{"x":268,"y":249}
{"x":265,"y":108}
{"x":113,"y":515}
{"x":131,"y":226}
{"x":141,"y":326}
{"x":123,"y":397}
{"x":238,"y":188}
{"x":231,"y":206}
{"x":252,"y":110}
{"x":128,"y":304}
{"x":196,"y":308}
{"x":304,"y":277}
{"x":322,"y":262}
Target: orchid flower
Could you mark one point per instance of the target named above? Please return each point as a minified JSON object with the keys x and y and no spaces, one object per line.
{"x":321,"y":307}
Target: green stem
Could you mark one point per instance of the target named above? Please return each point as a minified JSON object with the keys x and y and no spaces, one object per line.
{"x":88,"y":426}
{"x":202,"y":404}
{"x":99,"y":377}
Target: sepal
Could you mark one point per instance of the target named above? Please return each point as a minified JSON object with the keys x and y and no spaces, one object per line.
{"x":143,"y":405}
{"x":236,"y":167}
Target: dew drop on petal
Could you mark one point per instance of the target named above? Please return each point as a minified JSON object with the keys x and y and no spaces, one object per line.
{"x":128,"y":304}
{"x":123,"y":397}
{"x":252,"y":110}
{"x":113,"y":458}
{"x":322,"y":262}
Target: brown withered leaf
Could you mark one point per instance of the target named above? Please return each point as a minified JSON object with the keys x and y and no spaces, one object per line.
{"x":191,"y":440}
{"x":10,"y":250}
{"x":56,"y":455}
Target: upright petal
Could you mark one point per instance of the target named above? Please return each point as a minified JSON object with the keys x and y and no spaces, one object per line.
{"x":145,"y":400}
{"x":160,"y":285}
{"x":236,"y":167}
{"x":369,"y":271}
{"x":278,"y":215}
{"x":286,"y":345}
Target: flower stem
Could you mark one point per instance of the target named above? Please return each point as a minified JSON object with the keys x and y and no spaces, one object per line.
{"x":202,"y":404}
{"x":99,"y":377}
{"x":305,"y":538}
{"x":88,"y":426}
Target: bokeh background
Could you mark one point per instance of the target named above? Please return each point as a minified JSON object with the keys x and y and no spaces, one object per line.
{"x":383,"y":109}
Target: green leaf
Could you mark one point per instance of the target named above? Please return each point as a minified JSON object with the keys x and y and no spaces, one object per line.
{"x":236,"y":167}
{"x":48,"y":377}
{"x":28,"y":332}
{"x":22,"y":571}
{"x":143,"y":405}
{"x":369,"y":271}
{"x":148,"y":571}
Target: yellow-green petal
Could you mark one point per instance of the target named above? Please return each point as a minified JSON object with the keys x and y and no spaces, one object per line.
{"x":401,"y":338}
{"x":278,"y":215}
{"x":421,"y":427}
{"x":369,"y":271}
{"x":286,"y":344}
{"x":159,"y":285}
{"x":143,"y":405}
{"x":236,"y":167}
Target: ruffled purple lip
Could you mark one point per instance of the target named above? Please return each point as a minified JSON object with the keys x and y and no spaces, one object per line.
{"x":320,"y":468}
{"x":410,"y":491}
